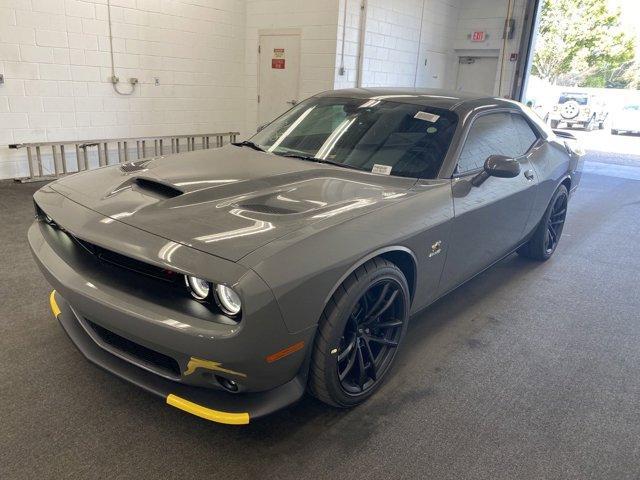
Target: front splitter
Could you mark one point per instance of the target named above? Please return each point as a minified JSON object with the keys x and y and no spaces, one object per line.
{"x":213,"y":405}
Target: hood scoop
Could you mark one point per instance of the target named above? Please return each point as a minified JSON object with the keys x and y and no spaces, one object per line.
{"x":163,"y":189}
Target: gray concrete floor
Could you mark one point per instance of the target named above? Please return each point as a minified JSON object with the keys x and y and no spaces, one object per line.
{"x":528,"y":371}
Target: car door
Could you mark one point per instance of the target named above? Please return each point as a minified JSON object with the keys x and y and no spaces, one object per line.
{"x":489,"y":219}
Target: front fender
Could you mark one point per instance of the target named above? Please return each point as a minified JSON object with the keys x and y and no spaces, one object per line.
{"x":378,"y":253}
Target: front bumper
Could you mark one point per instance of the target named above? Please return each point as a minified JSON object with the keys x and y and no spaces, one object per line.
{"x":217,"y":406}
{"x":174,"y":341}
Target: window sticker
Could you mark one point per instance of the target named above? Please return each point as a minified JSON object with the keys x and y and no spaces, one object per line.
{"x":427,"y":117}
{"x":381,"y":169}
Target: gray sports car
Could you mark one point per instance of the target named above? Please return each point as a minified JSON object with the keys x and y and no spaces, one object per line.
{"x":231,"y":281}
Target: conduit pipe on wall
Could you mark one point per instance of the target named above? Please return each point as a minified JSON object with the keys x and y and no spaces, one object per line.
{"x":114,"y":78}
{"x":363,"y":32}
{"x":505,"y":34}
{"x":344,"y":38}
{"x":415,"y":76}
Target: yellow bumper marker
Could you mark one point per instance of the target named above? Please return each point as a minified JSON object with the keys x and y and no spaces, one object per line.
{"x":55,"y":309}
{"x":208,"y":413}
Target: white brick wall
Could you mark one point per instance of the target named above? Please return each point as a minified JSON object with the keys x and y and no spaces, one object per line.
{"x":437,"y":62}
{"x":352,"y":40}
{"x":397,"y":43}
{"x":402,"y":51}
{"x":54,"y":56}
{"x":391,"y":42}
{"x":318,"y":22}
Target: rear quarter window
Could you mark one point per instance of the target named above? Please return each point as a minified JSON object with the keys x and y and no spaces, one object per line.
{"x":526,"y":135}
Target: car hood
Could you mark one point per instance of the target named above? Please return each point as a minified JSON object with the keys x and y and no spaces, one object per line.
{"x":229,"y":201}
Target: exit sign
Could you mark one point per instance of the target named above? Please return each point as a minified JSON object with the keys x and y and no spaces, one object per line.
{"x":478,"y":36}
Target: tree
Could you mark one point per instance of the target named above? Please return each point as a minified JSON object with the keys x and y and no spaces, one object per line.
{"x":582,"y":43}
{"x":623,"y":75}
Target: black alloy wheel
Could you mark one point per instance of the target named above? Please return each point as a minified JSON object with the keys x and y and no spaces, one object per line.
{"x":545,"y":238}
{"x":359,"y":334}
{"x":370,"y":337}
{"x":555,"y":223}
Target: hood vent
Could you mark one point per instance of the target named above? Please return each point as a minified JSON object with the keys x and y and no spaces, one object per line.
{"x":269,"y":209}
{"x":165,"y":189}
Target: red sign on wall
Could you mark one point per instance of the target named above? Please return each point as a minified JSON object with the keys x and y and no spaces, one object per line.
{"x":277,"y":61}
{"x":477,"y":36}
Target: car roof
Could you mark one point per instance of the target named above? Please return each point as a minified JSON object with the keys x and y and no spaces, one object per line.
{"x":429,"y":97}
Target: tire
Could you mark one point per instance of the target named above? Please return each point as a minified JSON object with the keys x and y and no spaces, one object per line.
{"x":569,"y":110}
{"x":538,"y":248}
{"x":338,"y":331}
{"x":554,"y":123}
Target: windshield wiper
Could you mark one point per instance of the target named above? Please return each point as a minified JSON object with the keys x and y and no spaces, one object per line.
{"x":250,"y":144}
{"x":310,"y":158}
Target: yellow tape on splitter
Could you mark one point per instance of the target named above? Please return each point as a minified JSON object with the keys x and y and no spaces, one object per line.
{"x":208,"y":413}
{"x":55,"y":309}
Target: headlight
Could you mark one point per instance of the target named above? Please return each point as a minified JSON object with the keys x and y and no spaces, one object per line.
{"x":228,"y":300}
{"x":198,"y":287}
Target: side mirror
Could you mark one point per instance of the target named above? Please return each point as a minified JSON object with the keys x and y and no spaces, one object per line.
{"x":497,"y":166}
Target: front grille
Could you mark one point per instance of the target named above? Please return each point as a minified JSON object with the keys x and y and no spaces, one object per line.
{"x":129,"y":263}
{"x":113,"y":258}
{"x":140,"y":352}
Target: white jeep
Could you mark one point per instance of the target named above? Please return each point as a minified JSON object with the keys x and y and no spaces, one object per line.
{"x":578,"y":109}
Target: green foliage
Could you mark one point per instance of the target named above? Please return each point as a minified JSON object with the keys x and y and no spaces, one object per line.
{"x":582,"y":43}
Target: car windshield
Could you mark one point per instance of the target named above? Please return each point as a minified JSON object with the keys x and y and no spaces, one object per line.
{"x":632,"y":108}
{"x":579,"y":99}
{"x":382,"y":136}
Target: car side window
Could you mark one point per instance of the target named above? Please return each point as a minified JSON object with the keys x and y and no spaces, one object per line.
{"x":500,"y":133}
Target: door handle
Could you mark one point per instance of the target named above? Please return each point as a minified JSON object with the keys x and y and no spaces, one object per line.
{"x":292,"y":102}
{"x":529,"y":174}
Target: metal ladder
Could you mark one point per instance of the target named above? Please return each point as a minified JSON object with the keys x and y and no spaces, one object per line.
{"x":49,"y":160}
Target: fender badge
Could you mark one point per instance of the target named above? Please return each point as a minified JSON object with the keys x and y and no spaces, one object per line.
{"x":436,"y":248}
